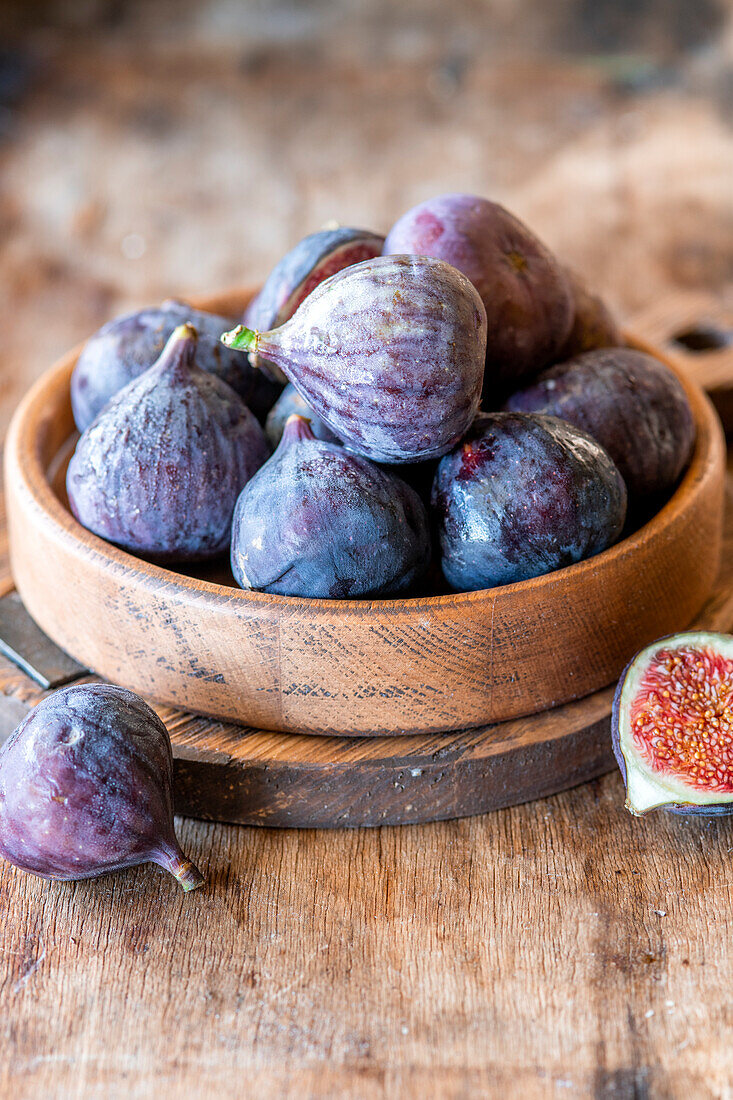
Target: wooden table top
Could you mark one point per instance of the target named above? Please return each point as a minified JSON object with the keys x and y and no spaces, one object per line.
{"x":557,"y":949}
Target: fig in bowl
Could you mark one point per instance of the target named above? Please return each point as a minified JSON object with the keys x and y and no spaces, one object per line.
{"x":314,"y":258}
{"x":521,"y":496}
{"x":525,"y":291}
{"x":159,"y":471}
{"x":126,"y":346}
{"x":388,"y":353}
{"x":317,"y":521}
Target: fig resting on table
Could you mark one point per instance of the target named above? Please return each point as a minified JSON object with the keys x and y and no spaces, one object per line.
{"x":388,"y":353}
{"x":85,"y":788}
{"x":160,"y":469}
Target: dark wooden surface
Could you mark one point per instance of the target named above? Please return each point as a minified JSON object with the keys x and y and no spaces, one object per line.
{"x":555,"y":949}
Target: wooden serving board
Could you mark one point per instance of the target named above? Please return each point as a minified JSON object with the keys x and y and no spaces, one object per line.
{"x":229,"y":773}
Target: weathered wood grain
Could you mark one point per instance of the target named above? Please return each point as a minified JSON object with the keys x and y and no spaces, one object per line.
{"x":360,"y":668}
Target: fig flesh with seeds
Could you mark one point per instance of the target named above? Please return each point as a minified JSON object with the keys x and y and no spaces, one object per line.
{"x":129,"y":345}
{"x":288,"y":404}
{"x":672,"y":725}
{"x":388,"y":353}
{"x":318,"y":521}
{"x":524,"y":289}
{"x":521,"y":496}
{"x":631,"y":403}
{"x":85,"y":788}
{"x":315,"y":258}
{"x":160,"y":469}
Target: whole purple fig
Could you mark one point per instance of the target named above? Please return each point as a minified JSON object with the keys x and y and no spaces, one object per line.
{"x":128,"y":345}
{"x":317,"y":521}
{"x":593,"y":325}
{"x":631,"y":403}
{"x":160,"y":469}
{"x":521,"y":496}
{"x":313,"y":259}
{"x":388,"y":353}
{"x":523,"y":287}
{"x":288,"y":404}
{"x":85,"y":788}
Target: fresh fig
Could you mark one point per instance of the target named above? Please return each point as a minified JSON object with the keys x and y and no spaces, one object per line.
{"x":127,"y":346}
{"x":528,"y":301}
{"x":288,"y":404}
{"x":160,"y":469}
{"x":388,"y":353}
{"x":672,"y":725}
{"x":521,"y":496}
{"x":631,"y":403}
{"x":85,"y":788}
{"x":317,"y":521}
{"x":313,"y":259}
{"x":593,"y":325}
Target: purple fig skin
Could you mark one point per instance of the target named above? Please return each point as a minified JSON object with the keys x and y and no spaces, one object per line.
{"x":125,"y":347}
{"x":524,"y":289}
{"x":319,"y":522}
{"x":388,"y":353}
{"x":621,"y":706}
{"x":288,"y":404}
{"x":85,"y":788}
{"x":521,"y":496}
{"x":315,"y":258}
{"x":593,"y":325}
{"x":160,"y":469}
{"x":631,"y":403}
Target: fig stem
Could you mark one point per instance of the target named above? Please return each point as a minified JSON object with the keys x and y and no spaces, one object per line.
{"x":184,"y":332}
{"x":241,"y":338}
{"x":181,"y":868}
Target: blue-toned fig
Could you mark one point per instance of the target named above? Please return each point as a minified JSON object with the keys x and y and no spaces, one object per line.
{"x":525,"y":290}
{"x":631,"y":403}
{"x":288,"y":404}
{"x":128,"y":345}
{"x":521,"y":496}
{"x":672,"y":725}
{"x":594,"y":326}
{"x":388,"y":353}
{"x":315,"y":258}
{"x":160,"y":469}
{"x":85,"y":788}
{"x":318,"y":521}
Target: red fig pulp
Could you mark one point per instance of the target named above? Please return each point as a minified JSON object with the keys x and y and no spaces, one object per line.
{"x":85,"y":788}
{"x":388,"y":353}
{"x":672,"y":725}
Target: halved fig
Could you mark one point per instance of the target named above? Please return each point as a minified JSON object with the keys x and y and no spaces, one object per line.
{"x":672,"y":725}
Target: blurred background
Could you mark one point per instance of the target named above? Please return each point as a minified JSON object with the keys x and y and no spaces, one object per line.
{"x":158,"y":147}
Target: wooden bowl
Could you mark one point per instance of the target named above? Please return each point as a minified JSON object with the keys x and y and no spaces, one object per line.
{"x":364,"y":667}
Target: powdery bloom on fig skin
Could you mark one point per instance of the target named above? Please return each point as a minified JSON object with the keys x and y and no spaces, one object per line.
{"x":319,"y":522}
{"x":85,"y":788}
{"x":159,"y":471}
{"x":388,"y":353}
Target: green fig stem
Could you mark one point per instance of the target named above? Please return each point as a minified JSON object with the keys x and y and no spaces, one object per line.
{"x":181,"y":868}
{"x":241,"y":339}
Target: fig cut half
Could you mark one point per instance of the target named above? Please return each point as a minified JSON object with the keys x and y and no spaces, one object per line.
{"x":672,"y":725}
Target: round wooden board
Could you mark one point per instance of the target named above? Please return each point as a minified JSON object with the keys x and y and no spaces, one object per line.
{"x":229,"y":773}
